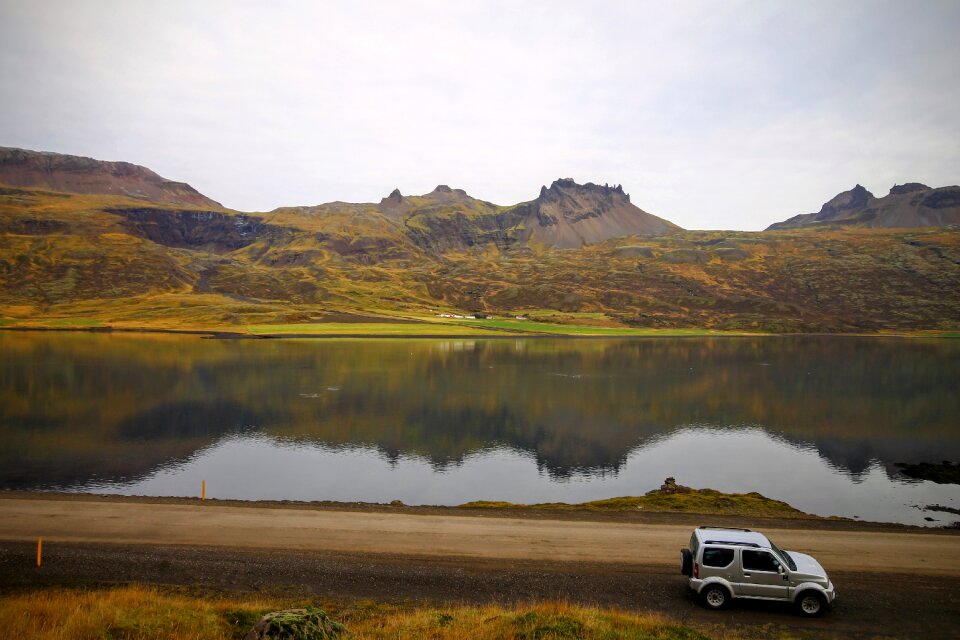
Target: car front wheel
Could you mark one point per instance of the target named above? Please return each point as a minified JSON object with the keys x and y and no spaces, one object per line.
{"x":715,"y":597}
{"x":811,"y":604}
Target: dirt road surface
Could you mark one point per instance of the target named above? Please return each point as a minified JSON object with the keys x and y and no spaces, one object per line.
{"x":895,"y":583}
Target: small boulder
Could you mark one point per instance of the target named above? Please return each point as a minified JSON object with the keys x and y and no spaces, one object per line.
{"x":670,"y":486}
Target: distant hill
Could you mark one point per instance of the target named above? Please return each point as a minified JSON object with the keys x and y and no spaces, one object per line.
{"x":565,"y":215}
{"x":77,"y":174}
{"x":907,"y":205}
{"x":574,"y":254}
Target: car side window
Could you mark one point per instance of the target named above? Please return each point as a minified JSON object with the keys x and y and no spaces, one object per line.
{"x":759,"y":561}
{"x":717,"y":557}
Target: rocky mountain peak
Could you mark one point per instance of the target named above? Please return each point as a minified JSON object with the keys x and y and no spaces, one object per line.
{"x":395,"y":197}
{"x":855,"y":198}
{"x":568,"y":214}
{"x":568,"y":186}
{"x":909,"y":187}
{"x":445,"y":193}
{"x":927,"y":207}
{"x":395,"y":203}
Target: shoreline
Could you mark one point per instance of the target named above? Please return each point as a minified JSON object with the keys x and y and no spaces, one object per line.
{"x":567,"y":513}
{"x":496,"y":334}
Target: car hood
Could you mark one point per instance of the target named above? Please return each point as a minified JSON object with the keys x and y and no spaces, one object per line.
{"x":808,"y":566}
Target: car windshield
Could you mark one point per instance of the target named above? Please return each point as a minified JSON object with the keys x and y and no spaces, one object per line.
{"x":784,"y":557}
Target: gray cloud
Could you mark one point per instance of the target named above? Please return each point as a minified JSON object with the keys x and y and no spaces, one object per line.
{"x":714,"y":115}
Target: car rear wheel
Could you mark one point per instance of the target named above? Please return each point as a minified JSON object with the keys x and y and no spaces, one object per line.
{"x":686,"y":562}
{"x":715,"y":597}
{"x":811,"y":604}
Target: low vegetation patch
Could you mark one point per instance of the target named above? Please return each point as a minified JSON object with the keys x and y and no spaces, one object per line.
{"x":135,"y":612}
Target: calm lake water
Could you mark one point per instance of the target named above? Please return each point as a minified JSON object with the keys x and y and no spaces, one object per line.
{"x":816,"y":421}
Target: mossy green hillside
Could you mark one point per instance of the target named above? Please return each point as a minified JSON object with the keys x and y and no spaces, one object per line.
{"x":74,"y":260}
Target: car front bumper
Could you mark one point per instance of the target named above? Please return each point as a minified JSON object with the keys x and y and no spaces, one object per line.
{"x":830,"y":593}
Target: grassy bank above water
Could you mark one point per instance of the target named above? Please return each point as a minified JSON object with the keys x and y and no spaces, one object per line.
{"x":684,"y":500}
{"x":134,"y":612}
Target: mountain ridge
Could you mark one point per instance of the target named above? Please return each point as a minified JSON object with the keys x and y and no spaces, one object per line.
{"x":911,"y":204}
{"x":80,"y":174}
{"x":564,"y":215}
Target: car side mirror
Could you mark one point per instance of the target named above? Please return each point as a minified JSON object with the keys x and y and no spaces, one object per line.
{"x":780,"y":569}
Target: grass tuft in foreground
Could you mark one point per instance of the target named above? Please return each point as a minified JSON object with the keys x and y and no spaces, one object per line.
{"x":135,"y":613}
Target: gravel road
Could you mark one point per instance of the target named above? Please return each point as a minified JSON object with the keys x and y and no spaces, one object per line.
{"x":891,"y":582}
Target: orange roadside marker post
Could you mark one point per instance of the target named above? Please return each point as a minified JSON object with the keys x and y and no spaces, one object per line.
{"x":203,"y":489}
{"x":39,"y":551}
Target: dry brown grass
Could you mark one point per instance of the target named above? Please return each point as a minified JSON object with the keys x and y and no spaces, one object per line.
{"x":131,"y":613}
{"x":135,"y":612}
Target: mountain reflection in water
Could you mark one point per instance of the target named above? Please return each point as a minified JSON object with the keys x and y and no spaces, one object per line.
{"x":85,"y":410}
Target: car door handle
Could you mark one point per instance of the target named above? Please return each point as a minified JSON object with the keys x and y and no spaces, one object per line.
{"x":746,"y":575}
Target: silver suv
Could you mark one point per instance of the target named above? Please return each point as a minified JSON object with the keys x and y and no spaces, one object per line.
{"x":726,"y":563}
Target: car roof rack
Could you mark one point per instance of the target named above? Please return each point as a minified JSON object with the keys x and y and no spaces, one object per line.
{"x":724,"y":528}
{"x":737,"y":544}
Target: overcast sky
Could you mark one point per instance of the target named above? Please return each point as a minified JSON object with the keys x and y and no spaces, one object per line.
{"x":715,"y":115}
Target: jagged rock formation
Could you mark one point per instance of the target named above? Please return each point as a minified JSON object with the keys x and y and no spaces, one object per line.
{"x":907,"y":205}
{"x":77,"y":174}
{"x":569,"y":215}
{"x":395,"y":204}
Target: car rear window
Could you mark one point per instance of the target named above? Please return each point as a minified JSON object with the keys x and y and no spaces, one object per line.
{"x":717,"y":557}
